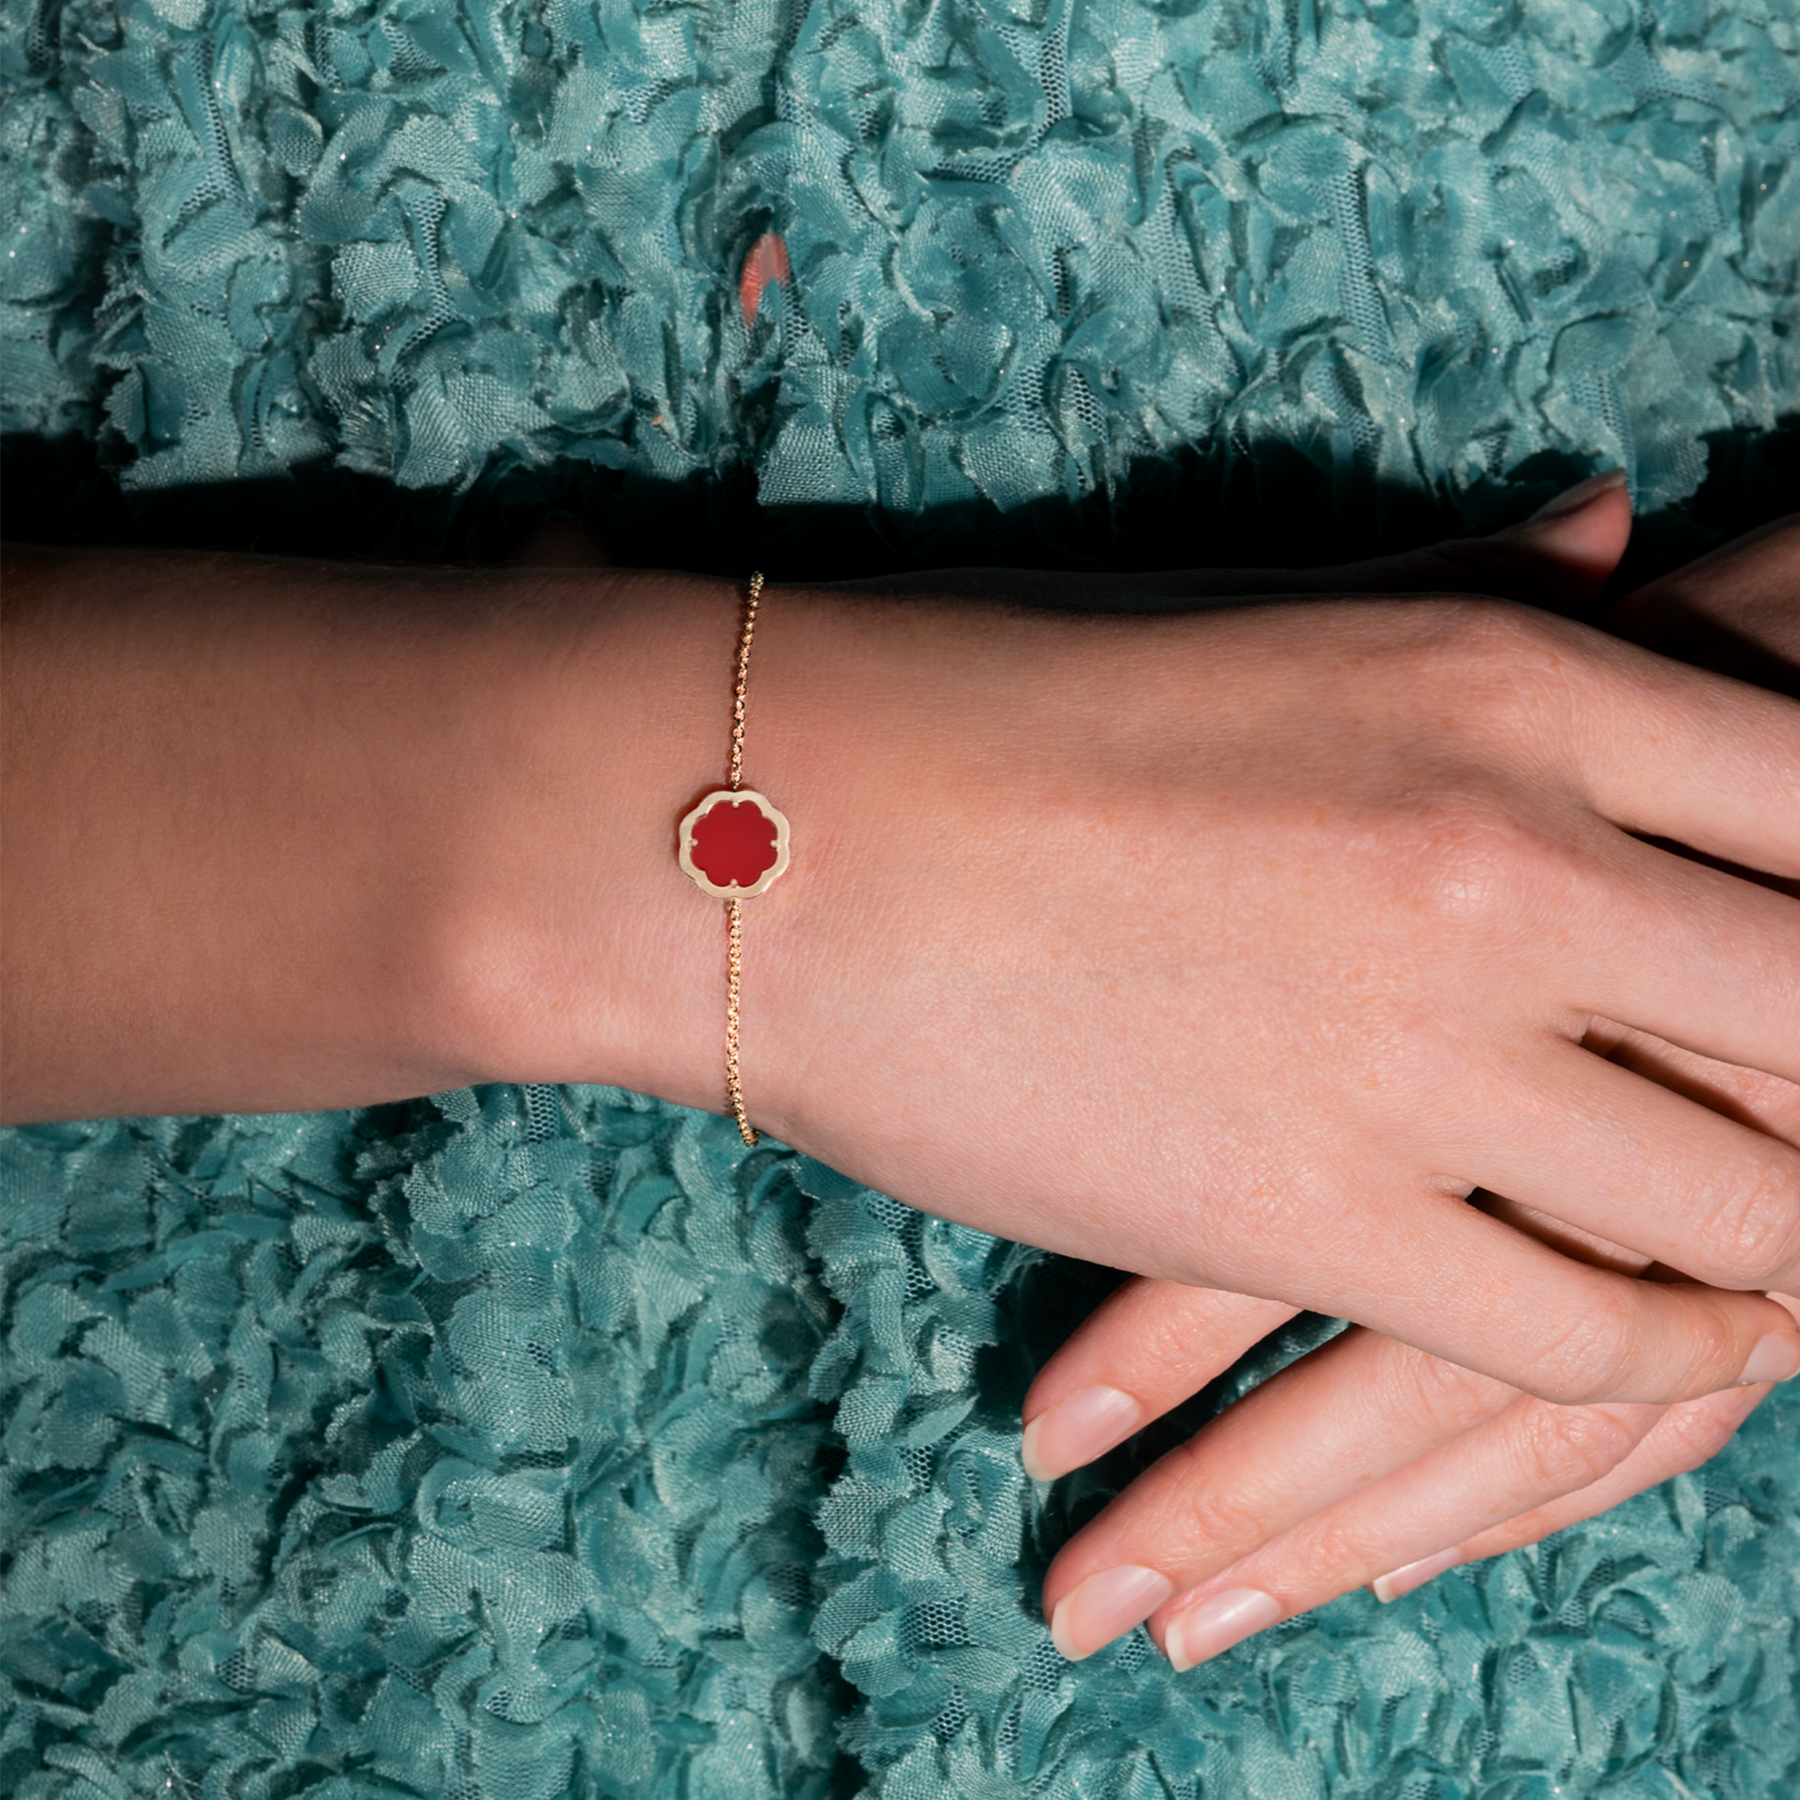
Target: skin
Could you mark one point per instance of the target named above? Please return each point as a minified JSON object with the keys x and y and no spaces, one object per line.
{"x":1368,"y":1461}
{"x":284,"y":835}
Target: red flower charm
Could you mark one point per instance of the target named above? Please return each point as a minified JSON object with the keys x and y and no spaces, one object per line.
{"x":734,"y":844}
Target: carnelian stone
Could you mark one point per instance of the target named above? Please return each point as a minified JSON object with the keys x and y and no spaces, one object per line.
{"x":734,"y":842}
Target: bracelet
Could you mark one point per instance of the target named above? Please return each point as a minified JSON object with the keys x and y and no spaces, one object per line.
{"x":734,"y":844}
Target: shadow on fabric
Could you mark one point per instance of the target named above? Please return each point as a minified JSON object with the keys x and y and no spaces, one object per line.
{"x":1228,"y":505}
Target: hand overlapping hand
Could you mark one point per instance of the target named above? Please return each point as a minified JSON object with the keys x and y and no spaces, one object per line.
{"x":1370,"y":1461}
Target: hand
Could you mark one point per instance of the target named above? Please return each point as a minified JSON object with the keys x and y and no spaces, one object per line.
{"x":411,"y":824}
{"x":1367,"y":1460}
{"x":1306,"y":910}
{"x":1364,"y":1462}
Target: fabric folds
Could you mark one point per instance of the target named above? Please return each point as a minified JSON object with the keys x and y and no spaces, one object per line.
{"x":532,"y":1442}
{"x":1034,"y":244}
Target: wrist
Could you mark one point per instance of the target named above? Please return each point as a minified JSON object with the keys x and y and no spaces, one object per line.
{"x":587,"y":954}
{"x":582,"y":953}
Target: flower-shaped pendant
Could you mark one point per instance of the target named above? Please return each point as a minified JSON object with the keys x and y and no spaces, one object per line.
{"x":734,"y":844}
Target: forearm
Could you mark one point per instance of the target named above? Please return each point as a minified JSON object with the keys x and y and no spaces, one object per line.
{"x":282,"y":835}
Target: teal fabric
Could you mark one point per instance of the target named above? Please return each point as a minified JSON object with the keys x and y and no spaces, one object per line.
{"x":534,"y":1442}
{"x":524,"y":1443}
{"x":1034,"y":242}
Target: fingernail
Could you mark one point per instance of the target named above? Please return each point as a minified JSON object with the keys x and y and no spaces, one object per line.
{"x":1572,"y":500}
{"x":767,"y":261}
{"x":1413,"y":1574}
{"x":1104,"y":1607}
{"x":1076,"y":1430}
{"x":1218,"y":1622}
{"x":1775,"y":1358}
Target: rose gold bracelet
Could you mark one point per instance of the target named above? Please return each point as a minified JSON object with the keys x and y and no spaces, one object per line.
{"x":734,"y":844}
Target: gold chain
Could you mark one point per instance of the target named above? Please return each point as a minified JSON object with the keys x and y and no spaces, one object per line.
{"x":734,"y":963}
{"x":734,"y":909}
{"x":736,"y":779}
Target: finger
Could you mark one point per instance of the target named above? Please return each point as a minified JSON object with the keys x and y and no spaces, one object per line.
{"x":1765,"y":1102}
{"x":1348,"y":1418}
{"x":1676,"y":1181}
{"x":1536,"y":1467}
{"x":1698,"y":957}
{"x":1559,"y":557}
{"x":1348,"y":1414}
{"x":1292,"y":1420}
{"x":1529,"y":1454}
{"x":1363,"y":1460}
{"x":1736,"y":610}
{"x":1459,"y":1484}
{"x":1668,"y":751}
{"x":1147,"y":1347}
{"x":1682,"y":1439}
{"x":1494,"y":1300}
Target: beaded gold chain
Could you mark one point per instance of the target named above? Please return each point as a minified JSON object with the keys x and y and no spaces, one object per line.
{"x":734,"y":845}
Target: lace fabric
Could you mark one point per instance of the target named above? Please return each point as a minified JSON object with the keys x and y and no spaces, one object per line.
{"x":464,"y":1449}
{"x":530,"y":1443}
{"x":1033,"y":243}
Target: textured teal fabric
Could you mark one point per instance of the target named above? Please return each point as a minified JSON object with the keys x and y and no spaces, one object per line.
{"x":530,"y":1443}
{"x":1033,"y":241}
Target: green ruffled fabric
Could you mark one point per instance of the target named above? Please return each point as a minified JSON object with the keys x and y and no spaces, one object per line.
{"x":530,"y":1442}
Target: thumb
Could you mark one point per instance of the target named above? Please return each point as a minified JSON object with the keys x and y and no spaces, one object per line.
{"x":1581,"y":533}
{"x":1559,"y":558}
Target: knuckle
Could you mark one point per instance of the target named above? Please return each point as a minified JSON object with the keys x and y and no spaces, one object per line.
{"x":1175,"y":1330}
{"x":1217,"y":1518}
{"x":1472,"y":859}
{"x":1571,"y":1447}
{"x":1332,"y":1552}
{"x":1754,"y":1237}
{"x":1447,"y":1397}
{"x":1592,"y":1357}
{"x":1165,"y":1340}
{"x":1688,"y":1436}
{"x":1713,"y":1350}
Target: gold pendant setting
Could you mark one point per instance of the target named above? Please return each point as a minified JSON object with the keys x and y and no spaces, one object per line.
{"x":734,"y":844}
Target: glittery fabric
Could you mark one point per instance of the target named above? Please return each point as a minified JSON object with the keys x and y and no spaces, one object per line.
{"x":461,"y":1449}
{"x":530,"y":1443}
